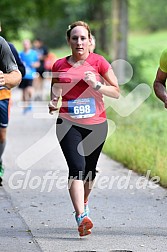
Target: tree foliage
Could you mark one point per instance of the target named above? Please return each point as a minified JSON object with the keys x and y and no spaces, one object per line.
{"x":149,"y":15}
{"x":49,"y":19}
{"x":16,"y":14}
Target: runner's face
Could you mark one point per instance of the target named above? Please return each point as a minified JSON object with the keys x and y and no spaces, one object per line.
{"x":79,"y":41}
{"x":27,"y":44}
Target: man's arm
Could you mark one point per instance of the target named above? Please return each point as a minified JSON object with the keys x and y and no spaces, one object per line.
{"x":12,"y":79}
{"x":10,"y":76}
{"x":160,"y":86}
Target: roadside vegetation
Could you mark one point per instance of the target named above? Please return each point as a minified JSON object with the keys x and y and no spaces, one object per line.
{"x":140,"y":139}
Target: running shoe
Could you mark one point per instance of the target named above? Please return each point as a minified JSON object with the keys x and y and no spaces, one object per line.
{"x":1,"y":173}
{"x":84,"y":224}
{"x":27,"y":109}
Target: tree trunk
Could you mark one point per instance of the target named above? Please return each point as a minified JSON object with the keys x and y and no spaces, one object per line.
{"x":98,"y":14}
{"x":119,"y":29}
{"x":102,"y":31}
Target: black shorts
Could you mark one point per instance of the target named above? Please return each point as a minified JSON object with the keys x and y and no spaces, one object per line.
{"x":81,"y":146}
{"x":41,"y":70}
{"x":25,"y":83}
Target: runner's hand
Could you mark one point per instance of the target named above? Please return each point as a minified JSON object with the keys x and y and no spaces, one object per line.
{"x":90,"y":79}
{"x":53,"y":105}
{"x":2,"y":79}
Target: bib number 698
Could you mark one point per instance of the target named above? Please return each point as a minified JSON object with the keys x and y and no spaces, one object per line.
{"x":82,"y":109}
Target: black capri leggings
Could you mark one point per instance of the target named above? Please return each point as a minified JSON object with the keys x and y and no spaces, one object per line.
{"x":81,"y":146}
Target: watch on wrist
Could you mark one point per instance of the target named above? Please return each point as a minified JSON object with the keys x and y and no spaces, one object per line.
{"x":98,"y":86}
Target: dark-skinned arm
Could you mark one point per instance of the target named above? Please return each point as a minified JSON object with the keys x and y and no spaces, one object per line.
{"x":160,"y":86}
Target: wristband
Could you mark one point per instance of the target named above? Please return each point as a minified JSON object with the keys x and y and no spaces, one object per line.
{"x":98,"y":86}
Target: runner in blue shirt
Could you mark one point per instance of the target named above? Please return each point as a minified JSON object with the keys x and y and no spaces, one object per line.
{"x":31,"y":62}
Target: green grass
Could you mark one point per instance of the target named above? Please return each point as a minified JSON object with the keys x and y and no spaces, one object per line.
{"x":150,"y":45}
{"x":140,"y":141}
{"x":147,"y":41}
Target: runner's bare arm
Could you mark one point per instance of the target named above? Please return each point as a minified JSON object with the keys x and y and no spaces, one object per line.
{"x":11,"y":79}
{"x":110,"y":87}
{"x":56,"y":90}
{"x":160,"y":86}
{"x":55,"y":94}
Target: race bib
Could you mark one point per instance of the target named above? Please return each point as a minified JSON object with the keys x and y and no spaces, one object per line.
{"x":82,"y":108}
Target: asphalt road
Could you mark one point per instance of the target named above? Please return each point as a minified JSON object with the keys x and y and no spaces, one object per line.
{"x":128,"y":211}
